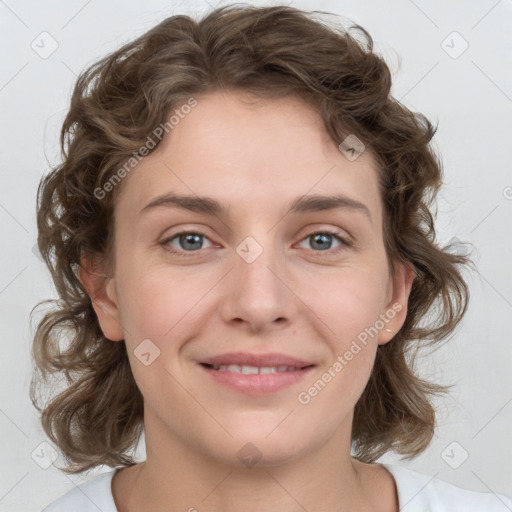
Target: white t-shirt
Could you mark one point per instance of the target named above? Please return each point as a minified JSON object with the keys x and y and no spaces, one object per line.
{"x":416,"y":493}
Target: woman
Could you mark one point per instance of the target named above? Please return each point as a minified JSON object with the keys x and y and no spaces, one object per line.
{"x":241,"y":238}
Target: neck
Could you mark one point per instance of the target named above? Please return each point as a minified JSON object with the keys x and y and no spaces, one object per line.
{"x":181,"y":477}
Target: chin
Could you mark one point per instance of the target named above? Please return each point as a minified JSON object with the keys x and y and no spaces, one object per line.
{"x":258,"y":445}
{"x":259,"y":453}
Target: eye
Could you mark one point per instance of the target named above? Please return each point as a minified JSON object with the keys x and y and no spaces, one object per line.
{"x":188,"y":241}
{"x":322,"y":241}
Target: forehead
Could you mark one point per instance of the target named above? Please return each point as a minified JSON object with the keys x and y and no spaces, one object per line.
{"x":249,"y":153}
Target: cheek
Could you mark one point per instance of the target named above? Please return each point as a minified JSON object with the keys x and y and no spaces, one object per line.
{"x":348,"y":305}
{"x":348,"y":301}
{"x":159,"y":304}
{"x":154,"y":308}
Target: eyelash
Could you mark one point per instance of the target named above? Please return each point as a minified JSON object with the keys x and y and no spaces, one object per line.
{"x":345,"y":243}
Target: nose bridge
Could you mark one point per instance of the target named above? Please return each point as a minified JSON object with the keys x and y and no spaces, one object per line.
{"x":257,"y":294}
{"x":257,"y":255}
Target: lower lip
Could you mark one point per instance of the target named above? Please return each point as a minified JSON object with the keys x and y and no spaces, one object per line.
{"x":257,"y":384}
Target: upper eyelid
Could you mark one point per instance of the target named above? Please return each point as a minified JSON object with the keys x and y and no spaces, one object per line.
{"x":203,"y":229}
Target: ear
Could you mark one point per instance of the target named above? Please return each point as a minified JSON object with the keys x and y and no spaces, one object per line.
{"x":101,"y":290}
{"x":395,"y":312}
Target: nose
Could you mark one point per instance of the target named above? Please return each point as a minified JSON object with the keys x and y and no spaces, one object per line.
{"x":257,"y":292}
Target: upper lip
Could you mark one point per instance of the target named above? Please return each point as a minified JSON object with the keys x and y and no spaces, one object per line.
{"x":260,"y":360}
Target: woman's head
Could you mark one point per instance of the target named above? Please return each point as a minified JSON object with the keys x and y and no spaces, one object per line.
{"x":252,"y":108}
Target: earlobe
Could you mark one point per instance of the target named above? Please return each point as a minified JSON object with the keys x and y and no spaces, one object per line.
{"x":396,"y":309}
{"x":101,"y":290}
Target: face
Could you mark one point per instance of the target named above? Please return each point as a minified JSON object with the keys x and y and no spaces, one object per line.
{"x":234,"y":310}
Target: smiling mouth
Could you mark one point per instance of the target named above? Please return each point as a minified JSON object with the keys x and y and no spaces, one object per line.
{"x":255,"y":373}
{"x":253,"y":370}
{"x":257,"y":378}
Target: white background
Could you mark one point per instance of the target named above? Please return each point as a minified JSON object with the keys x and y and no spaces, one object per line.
{"x":470,"y":96}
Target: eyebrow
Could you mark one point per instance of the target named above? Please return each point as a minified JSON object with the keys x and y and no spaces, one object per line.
{"x":302,"y":204}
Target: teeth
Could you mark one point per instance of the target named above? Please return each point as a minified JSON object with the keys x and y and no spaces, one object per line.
{"x":253,"y":370}
{"x":249,"y":370}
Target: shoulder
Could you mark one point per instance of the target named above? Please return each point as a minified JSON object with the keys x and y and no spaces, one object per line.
{"x":418,"y":492}
{"x":91,"y":496}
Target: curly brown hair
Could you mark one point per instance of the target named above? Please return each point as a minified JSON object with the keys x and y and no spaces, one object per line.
{"x":118,"y":101}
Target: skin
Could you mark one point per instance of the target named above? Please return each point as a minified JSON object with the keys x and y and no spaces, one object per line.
{"x":294,"y":298}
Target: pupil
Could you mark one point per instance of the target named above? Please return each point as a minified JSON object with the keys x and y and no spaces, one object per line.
{"x":190,"y":239}
{"x":323,"y":238}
